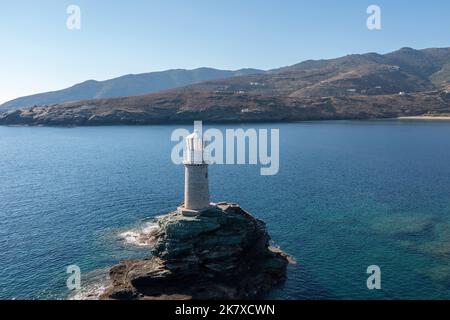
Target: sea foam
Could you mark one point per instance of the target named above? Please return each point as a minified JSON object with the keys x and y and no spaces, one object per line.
{"x":143,"y":236}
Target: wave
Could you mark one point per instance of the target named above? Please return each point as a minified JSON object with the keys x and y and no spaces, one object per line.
{"x":143,"y":236}
{"x":93,"y":285}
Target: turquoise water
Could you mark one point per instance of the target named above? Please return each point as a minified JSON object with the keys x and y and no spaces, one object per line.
{"x":348,"y":195}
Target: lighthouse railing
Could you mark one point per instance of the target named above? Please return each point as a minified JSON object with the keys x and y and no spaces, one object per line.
{"x":195,"y":157}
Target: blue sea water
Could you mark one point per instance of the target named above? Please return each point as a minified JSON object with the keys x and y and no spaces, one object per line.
{"x":349,"y":194}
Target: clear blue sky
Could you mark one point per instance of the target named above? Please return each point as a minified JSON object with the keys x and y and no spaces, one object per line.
{"x":38,"y":53}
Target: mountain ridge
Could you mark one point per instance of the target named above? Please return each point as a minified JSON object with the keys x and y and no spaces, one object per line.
{"x":126,"y":85}
{"x":406,"y":82}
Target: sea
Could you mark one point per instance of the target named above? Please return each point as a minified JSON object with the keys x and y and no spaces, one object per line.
{"x":348,"y":195}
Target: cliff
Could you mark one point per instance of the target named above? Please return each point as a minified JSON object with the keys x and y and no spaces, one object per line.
{"x":223,"y":253}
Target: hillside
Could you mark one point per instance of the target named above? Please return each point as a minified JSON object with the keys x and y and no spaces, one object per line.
{"x":406,"y":82}
{"x":128,"y":85}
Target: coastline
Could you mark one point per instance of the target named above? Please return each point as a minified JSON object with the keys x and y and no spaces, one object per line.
{"x":226,"y":122}
{"x":425,"y":118}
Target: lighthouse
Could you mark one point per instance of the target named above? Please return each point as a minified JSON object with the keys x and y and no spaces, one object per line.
{"x":196,"y":188}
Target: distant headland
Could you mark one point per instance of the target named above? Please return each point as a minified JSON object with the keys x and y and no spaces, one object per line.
{"x":403,"y":83}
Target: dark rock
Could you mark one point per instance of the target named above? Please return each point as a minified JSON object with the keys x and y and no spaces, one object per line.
{"x":223,"y":253}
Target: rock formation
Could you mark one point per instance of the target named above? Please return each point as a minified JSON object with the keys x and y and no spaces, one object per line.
{"x":223,"y":253}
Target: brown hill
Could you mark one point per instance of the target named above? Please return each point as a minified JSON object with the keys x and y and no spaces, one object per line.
{"x":402,"y":83}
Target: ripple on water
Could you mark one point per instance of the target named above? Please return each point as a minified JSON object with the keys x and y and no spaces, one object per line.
{"x":404,"y":225}
{"x":93,"y":284}
{"x":439,"y":246}
{"x":142,"y":236}
{"x":425,"y":235}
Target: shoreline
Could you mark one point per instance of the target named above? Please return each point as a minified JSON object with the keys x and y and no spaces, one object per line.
{"x":225,"y":122}
{"x":424,"y":118}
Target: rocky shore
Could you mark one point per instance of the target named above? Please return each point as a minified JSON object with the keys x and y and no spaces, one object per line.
{"x":223,"y":253}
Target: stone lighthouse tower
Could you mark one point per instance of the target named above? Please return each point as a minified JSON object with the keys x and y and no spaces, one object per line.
{"x":196,"y":188}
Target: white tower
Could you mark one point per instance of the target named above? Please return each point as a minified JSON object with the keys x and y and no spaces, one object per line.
{"x":196,"y":188}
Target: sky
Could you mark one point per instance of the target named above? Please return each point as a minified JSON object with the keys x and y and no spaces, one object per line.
{"x":39,"y":53}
